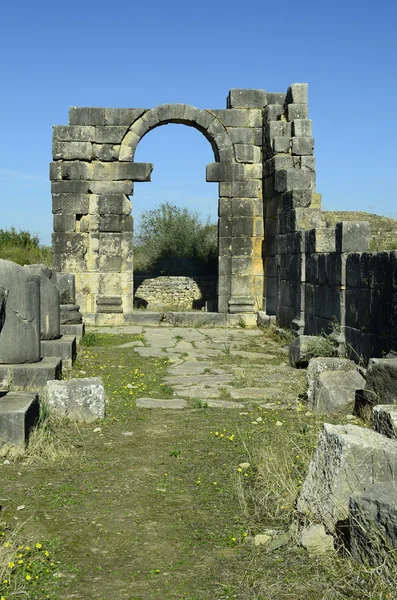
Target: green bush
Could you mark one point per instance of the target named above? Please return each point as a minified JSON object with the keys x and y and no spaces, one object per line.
{"x":175,"y":241}
{"x":23,"y":248}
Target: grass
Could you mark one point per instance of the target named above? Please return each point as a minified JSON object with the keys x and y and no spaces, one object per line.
{"x":153,"y":504}
{"x":383,"y":229}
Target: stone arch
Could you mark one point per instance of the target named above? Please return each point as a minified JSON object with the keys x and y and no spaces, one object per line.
{"x":202,"y":120}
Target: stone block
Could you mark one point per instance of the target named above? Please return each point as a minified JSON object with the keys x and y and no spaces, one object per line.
{"x":69,"y":187}
{"x":297,"y":93}
{"x":278,"y":129}
{"x":116,"y":223}
{"x":320,"y":240}
{"x":122,"y":116}
{"x":277,"y":163}
{"x":19,"y":413}
{"x":242,"y":227}
{"x":246,"y":98}
{"x":86,"y":116}
{"x":30,"y":376}
{"x":105,"y":152}
{"x":242,"y":246}
{"x":291,"y":179}
{"x":381,"y":385}
{"x":122,"y":170}
{"x":244,"y":207}
{"x":297,"y":111}
{"x":273,"y":112}
{"x":251,"y":188}
{"x":20,"y":333}
{"x":65,"y":348}
{"x":70,"y":314}
{"x":352,"y":236}
{"x":384,"y":420}
{"x":296,"y":199}
{"x":70,"y":204}
{"x":373,"y":526}
{"x":320,"y":365}
{"x":241,"y":135}
{"x":276,"y":98}
{"x":110,"y":134}
{"x":281,"y":144}
{"x":66,"y":285}
{"x":302,"y":127}
{"x":348,"y":459}
{"x":76,"y":330}
{"x":255,"y":117}
{"x":73,"y":133}
{"x":225,"y":172}
{"x":247,"y":153}
{"x":81,"y":399}
{"x":302,"y":146}
{"x":232,"y":117}
{"x":74,"y":169}
{"x":72,"y":150}
{"x":111,"y":187}
{"x":336,"y":391}
{"x":64,"y":223}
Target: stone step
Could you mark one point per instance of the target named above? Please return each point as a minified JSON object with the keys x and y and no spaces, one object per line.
{"x":77,"y":329}
{"x":30,"y":376}
{"x":64,"y":347}
{"x":19,"y":412}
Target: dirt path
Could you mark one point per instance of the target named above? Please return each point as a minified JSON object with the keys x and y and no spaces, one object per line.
{"x":148,"y":506}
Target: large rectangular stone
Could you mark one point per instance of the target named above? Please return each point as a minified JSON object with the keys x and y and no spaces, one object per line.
{"x":19,"y":413}
{"x":72,"y":170}
{"x":111,"y":187}
{"x":86,"y":116}
{"x":110,"y":134}
{"x":232,"y":117}
{"x":381,"y":376}
{"x":241,"y":135}
{"x":373,"y":526}
{"x":246,"y":98}
{"x":297,"y":93}
{"x":64,"y":347}
{"x":64,"y":222}
{"x":69,"y":187}
{"x":247,"y":153}
{"x":242,"y":227}
{"x":384,"y":420}
{"x":30,"y":376}
{"x":72,"y":150}
{"x":105,"y":152}
{"x":302,"y":146}
{"x":348,"y":459}
{"x":297,"y":111}
{"x":320,"y":240}
{"x":352,"y":236}
{"x":66,"y":284}
{"x":122,"y":116}
{"x":225,"y":172}
{"x":82,"y":399}
{"x":116,"y":223}
{"x":75,"y":329}
{"x":302,"y":127}
{"x":70,"y":204}
{"x":292,"y":179}
{"x":110,"y":204}
{"x":104,"y":171}
{"x":73,"y":133}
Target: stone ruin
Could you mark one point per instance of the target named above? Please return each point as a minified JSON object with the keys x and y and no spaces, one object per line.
{"x":277,"y":260}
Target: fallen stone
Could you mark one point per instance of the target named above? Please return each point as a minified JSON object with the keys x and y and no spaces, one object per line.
{"x":319,"y":365}
{"x":262,"y":539}
{"x":82,"y":399}
{"x":384,"y":420}
{"x":373,"y":525}
{"x":19,"y":412}
{"x":336,"y":391}
{"x":347,"y":459}
{"x":174,"y":403}
{"x":303,"y":348}
{"x":316,"y":541}
{"x":381,"y":385}
{"x":20,"y":334}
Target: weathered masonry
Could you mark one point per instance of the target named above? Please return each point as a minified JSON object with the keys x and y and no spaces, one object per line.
{"x":276,"y":254}
{"x":258,"y":138}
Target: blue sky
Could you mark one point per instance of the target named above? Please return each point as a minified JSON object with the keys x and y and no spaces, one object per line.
{"x":130,"y":54}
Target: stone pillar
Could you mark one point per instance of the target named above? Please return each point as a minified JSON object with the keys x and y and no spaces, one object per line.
{"x":20,"y":334}
{"x":49,"y":303}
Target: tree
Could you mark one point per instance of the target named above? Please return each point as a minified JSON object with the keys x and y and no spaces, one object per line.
{"x":175,"y":241}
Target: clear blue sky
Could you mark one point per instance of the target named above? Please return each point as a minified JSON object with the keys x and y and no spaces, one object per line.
{"x":141,"y":54}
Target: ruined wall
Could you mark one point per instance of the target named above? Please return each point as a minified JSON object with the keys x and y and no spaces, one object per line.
{"x":183,"y":293}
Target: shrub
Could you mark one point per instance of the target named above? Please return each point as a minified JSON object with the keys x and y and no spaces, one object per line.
{"x":175,"y":241}
{"x":23,"y":248}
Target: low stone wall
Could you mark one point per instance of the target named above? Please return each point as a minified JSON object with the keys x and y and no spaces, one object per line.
{"x":184,"y":293}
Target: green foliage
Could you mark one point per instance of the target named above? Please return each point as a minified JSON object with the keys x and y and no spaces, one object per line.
{"x":175,"y":241}
{"x":23,"y":248}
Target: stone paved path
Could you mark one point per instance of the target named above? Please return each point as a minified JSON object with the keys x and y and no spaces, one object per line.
{"x":219,"y":366}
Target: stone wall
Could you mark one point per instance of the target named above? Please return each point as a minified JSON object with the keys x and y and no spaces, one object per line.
{"x":184,"y":293}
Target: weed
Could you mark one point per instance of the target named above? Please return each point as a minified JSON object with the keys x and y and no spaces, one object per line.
{"x":200,"y":404}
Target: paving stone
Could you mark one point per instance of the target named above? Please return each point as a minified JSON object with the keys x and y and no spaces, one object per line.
{"x":190,"y":367}
{"x":224,"y":404}
{"x":197,"y":391}
{"x":175,"y":403}
{"x":253,"y":393}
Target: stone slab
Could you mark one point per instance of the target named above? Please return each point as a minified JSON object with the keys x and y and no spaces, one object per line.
{"x":373,"y":525}
{"x":224,"y":404}
{"x":65,"y":348}
{"x":174,"y":404}
{"x":348,"y":459}
{"x":30,"y":376}
{"x":81,"y":399}
{"x":19,"y":412}
{"x":381,"y":386}
{"x":76,"y":329}
{"x":336,"y":391}
{"x":384,"y":420}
